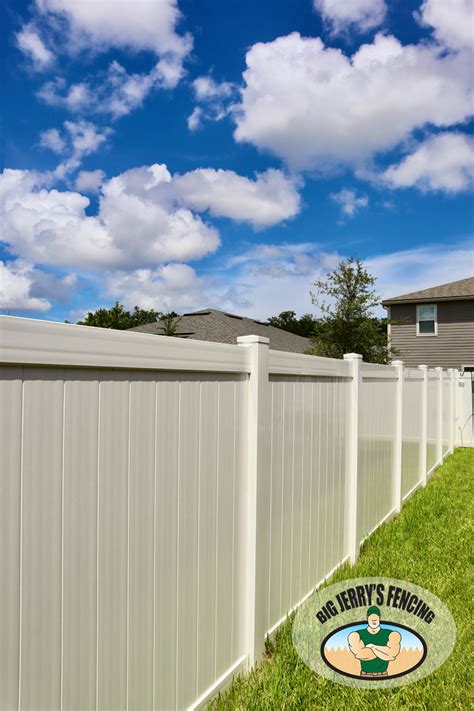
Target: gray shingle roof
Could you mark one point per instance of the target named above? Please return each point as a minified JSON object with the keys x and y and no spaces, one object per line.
{"x":221,"y":327}
{"x":455,"y":290}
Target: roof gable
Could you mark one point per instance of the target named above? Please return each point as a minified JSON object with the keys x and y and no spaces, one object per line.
{"x":453,"y":290}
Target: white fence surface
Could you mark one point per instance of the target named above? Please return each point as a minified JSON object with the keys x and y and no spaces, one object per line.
{"x":165,"y":503}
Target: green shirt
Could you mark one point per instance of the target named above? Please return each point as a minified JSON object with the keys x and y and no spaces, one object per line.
{"x":380,"y":639}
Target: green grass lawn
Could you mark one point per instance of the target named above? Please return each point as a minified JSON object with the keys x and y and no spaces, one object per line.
{"x":430,"y":544}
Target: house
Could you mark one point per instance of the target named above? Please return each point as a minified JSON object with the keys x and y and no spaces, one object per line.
{"x":221,"y":327}
{"x":434,"y":326}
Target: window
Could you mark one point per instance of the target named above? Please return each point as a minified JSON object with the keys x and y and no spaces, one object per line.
{"x":426,"y":323}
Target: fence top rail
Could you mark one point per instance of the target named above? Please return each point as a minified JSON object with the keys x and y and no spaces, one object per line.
{"x":376,"y":370}
{"x":26,"y":341}
{"x":413,"y":374}
{"x":283,"y":363}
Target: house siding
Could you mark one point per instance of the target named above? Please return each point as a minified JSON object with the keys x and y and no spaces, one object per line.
{"x":453,"y":347}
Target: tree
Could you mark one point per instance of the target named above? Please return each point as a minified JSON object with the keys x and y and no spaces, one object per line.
{"x":118,"y":318}
{"x":304,"y":326}
{"x":348,"y":323}
{"x":169,"y":323}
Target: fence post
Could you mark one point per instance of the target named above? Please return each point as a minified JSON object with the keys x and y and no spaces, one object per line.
{"x":352,"y":542}
{"x":398,"y":444}
{"x":256,"y":545}
{"x":452,"y":409}
{"x":439,"y":427}
{"x":424,"y":425}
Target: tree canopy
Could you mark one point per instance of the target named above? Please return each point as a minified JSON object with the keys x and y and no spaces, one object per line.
{"x":118,"y":317}
{"x":347,"y":299}
{"x":286,"y":320}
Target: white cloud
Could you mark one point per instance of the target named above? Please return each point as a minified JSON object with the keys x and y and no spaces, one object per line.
{"x":132,"y":228}
{"x":77,"y":28}
{"x":313,"y":106}
{"x":75,"y":98}
{"x":443,"y":162}
{"x":145,"y":216}
{"x":362,"y":15}
{"x":15,"y":288}
{"x":146,"y":25}
{"x":215,"y":99}
{"x":205,"y":88}
{"x":265,"y":201}
{"x":169,"y":287}
{"x":30,"y":43}
{"x":452,"y":21}
{"x":52,"y":140}
{"x":79,"y":139}
{"x":420,"y":268}
{"x":275,"y":278}
{"x":89,"y":181}
{"x":115,"y":93}
{"x":349,"y":202}
{"x":194,"y":119}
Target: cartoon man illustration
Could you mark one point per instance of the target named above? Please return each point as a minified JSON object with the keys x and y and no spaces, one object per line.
{"x":375,"y":646}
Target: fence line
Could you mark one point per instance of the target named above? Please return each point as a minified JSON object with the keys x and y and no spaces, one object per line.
{"x":165,"y":503}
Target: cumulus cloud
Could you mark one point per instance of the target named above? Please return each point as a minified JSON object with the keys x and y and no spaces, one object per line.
{"x":22,"y":288}
{"x":265,"y":201}
{"x":195,"y":118}
{"x":443,"y":162}
{"x":361,"y":15}
{"x":216,"y":101}
{"x":52,"y":140}
{"x":115,"y":92}
{"x":145,"y":216}
{"x":94,"y":27}
{"x":132,"y":227}
{"x":315,"y":107}
{"x":77,"y":140}
{"x":146,"y":25}
{"x":30,"y":43}
{"x":205,"y":88}
{"x":89,"y":181}
{"x":452,"y":21}
{"x":73,"y":98}
{"x":166,"y":288}
{"x":349,"y":202}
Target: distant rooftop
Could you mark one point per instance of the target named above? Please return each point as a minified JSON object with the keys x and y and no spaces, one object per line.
{"x":452,"y":291}
{"x":222,"y":327}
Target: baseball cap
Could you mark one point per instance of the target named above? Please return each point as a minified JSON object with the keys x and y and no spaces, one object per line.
{"x":374,"y":610}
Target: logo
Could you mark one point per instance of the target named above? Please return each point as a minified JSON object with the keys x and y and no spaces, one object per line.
{"x":374,"y":632}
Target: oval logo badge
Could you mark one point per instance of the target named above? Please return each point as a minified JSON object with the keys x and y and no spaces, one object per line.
{"x":374,"y":632}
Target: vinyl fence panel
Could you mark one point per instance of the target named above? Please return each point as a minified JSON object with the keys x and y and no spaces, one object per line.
{"x":432,"y":417}
{"x":411,"y":430}
{"x":165,"y":503}
{"x":376,"y":446}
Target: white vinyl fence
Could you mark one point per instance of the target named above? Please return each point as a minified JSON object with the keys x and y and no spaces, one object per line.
{"x":165,"y":503}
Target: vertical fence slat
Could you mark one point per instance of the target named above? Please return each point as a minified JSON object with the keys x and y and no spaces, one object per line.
{"x":141,"y":542}
{"x":113,"y":535}
{"x":41,"y":541}
{"x":11,"y":389}
{"x":187,"y":543}
{"x":166,"y":540}
{"x":80,"y":541}
{"x":208,"y":473}
{"x":424,"y":425}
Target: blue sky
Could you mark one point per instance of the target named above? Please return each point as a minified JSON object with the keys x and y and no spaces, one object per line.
{"x":180,"y":155}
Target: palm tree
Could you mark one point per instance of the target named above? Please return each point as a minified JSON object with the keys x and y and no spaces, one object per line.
{"x":170,"y":323}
